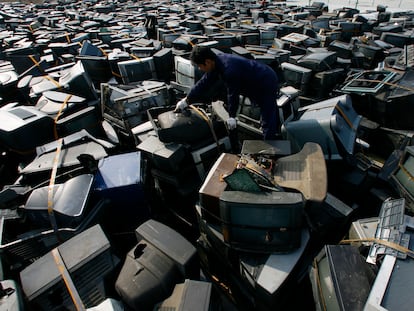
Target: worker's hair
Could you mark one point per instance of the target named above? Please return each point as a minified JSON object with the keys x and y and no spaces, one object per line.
{"x":199,"y":54}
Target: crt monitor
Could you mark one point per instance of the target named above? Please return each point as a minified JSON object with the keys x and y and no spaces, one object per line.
{"x":131,"y":105}
{"x":97,"y":67}
{"x":87,"y":118}
{"x":78,"y":81}
{"x":397,"y":39}
{"x":185,"y":72}
{"x":340,"y":278}
{"x":190,"y":295}
{"x":136,"y":70}
{"x":403,"y":177}
{"x":205,"y":157}
{"x":89,"y":260}
{"x":296,"y":76}
{"x":164,"y":64}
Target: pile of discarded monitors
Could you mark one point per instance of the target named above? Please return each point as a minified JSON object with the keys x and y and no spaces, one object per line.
{"x":112,"y":201}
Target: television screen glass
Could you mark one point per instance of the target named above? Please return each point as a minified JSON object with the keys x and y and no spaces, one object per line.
{"x":97,"y":67}
{"x":405,"y":173}
{"x":185,"y":72}
{"x":296,"y":76}
{"x":327,"y":289}
{"x":136,"y":70}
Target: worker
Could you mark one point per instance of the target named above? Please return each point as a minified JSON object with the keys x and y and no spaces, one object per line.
{"x":241,"y":76}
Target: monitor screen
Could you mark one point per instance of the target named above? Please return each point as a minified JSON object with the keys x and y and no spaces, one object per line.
{"x":404,"y":177}
{"x":164,"y":64}
{"x":225,"y":42}
{"x":205,"y":157}
{"x":296,"y":76}
{"x":336,"y":270}
{"x":185,"y":72}
{"x":136,"y":70}
{"x":143,"y":51}
{"x":405,"y":173}
{"x":327,"y":289}
{"x":97,"y":67}
{"x":167,"y":38}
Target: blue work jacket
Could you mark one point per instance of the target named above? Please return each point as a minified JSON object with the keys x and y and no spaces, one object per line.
{"x":241,"y":76}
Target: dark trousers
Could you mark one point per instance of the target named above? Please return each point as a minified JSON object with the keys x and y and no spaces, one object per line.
{"x":269,"y":117}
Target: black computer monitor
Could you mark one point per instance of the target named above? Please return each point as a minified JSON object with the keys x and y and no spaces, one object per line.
{"x":88,"y":259}
{"x":296,"y":76}
{"x":78,"y":81}
{"x":136,"y":70}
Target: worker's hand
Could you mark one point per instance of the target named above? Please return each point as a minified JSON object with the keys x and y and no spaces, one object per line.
{"x":181,"y":105}
{"x":231,"y":123}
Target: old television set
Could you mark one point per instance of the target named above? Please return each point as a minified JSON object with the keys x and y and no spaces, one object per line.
{"x":267,"y":36}
{"x":89,"y":261}
{"x":249,"y":38}
{"x":206,"y":156}
{"x":296,"y":76}
{"x":402,"y":178}
{"x":120,"y":179}
{"x":184,"y":42}
{"x":161,"y":259}
{"x":391,"y":289}
{"x":90,"y":49}
{"x":22,"y":63}
{"x":53,"y":102}
{"x":120,"y":42}
{"x":349,"y":30}
{"x":70,"y":200}
{"x":128,"y":106}
{"x":185,"y":72}
{"x":225,"y":41}
{"x":331,"y":123}
{"x":111,"y":92}
{"x":164,"y":64}
{"x":320,"y":24}
{"x":143,"y":51}
{"x":373,"y":55}
{"x":336,"y":270}
{"x":323,"y":82}
{"x":190,"y":295}
{"x":397,"y":39}
{"x":318,"y":61}
{"x":167,"y":36}
{"x":97,"y":67}
{"x":249,"y":217}
{"x":136,"y":70}
{"x":41,"y":84}
{"x":73,"y":145}
{"x":78,"y":81}
{"x":146,"y":277}
{"x":88,"y":118}
{"x":23,"y":128}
